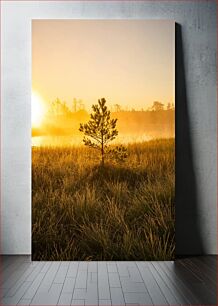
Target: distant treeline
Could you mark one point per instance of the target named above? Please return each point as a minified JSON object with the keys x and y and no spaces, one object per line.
{"x":59,"y":107}
{"x":156,"y":121}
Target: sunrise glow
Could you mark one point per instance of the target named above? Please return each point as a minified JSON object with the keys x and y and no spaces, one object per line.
{"x":130,"y":63}
{"x":38,"y":109}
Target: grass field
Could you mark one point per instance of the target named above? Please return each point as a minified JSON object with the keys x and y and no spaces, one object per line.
{"x":81,"y":211}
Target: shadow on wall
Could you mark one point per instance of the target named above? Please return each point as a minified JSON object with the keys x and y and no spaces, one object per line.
{"x":188,"y":233}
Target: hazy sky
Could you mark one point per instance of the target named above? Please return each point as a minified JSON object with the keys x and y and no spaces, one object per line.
{"x":129,"y":62}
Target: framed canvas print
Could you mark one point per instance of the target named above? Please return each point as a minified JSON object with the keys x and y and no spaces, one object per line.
{"x":103,"y":139}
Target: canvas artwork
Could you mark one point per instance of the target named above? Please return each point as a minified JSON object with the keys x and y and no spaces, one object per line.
{"x":103,"y":140}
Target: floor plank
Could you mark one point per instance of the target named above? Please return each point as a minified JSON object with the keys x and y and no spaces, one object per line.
{"x":29,"y":276}
{"x":209,"y":275}
{"x":187,"y":281}
{"x":65,"y":299}
{"x":17,"y":296}
{"x":48,"y":298}
{"x":155,"y":292}
{"x":169,"y":294}
{"x":103,"y":282}
{"x":168,"y":268}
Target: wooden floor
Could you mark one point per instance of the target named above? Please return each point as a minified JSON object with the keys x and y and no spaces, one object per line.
{"x":188,"y":281}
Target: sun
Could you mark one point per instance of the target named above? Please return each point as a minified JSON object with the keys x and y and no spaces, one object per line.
{"x":38,"y":109}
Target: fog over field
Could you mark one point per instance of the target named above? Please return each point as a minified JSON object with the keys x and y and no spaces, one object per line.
{"x":61,"y":126}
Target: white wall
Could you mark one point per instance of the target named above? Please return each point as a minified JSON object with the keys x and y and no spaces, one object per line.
{"x":198,"y":23}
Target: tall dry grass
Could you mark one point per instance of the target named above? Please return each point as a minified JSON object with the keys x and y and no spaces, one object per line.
{"x":81,"y":211}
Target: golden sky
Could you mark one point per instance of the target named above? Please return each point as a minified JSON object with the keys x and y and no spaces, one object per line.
{"x":129,"y":62}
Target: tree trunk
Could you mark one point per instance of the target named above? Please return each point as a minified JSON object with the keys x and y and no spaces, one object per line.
{"x":102,"y":154}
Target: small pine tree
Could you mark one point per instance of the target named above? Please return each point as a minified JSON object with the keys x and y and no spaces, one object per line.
{"x":100,"y":130}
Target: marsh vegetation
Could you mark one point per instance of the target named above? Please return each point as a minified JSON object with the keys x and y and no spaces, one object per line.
{"x":122,"y":211}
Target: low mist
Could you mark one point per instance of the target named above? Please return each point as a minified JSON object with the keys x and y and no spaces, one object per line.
{"x":61,"y":127}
